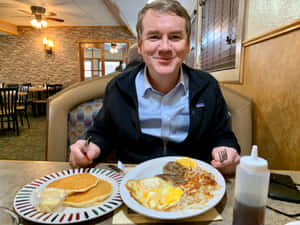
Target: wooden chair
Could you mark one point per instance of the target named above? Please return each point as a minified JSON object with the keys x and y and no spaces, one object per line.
{"x":29,"y":95}
{"x":26,"y":84}
{"x":8,"y":112}
{"x":23,"y":103}
{"x":51,"y":89}
{"x":12,"y":85}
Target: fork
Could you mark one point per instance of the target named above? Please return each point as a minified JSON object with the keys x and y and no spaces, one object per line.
{"x":222,"y":155}
{"x":120,"y":168}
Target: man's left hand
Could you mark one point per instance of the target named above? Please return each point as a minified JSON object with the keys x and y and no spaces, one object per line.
{"x":228,"y":166}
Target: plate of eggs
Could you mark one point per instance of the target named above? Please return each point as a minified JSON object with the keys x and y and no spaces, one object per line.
{"x":171,"y":188}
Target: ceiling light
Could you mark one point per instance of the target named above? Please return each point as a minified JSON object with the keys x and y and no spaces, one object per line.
{"x":113,"y":48}
{"x":38,"y":22}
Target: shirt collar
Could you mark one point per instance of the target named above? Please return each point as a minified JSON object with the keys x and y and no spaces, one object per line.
{"x":183,"y":81}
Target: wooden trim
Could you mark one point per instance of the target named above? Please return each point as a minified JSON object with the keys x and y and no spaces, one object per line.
{"x":66,"y":26}
{"x":8,"y":27}
{"x":78,"y":61}
{"x":273,"y":33}
{"x":114,"y":9}
{"x":239,"y":37}
{"x":104,"y":41}
{"x":94,"y":43}
{"x":263,"y":37}
{"x":266,"y":36}
{"x":47,"y":127}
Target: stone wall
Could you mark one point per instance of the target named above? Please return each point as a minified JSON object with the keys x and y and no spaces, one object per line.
{"x":23,"y":58}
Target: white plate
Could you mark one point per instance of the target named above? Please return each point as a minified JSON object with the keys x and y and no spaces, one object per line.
{"x":154,"y":167}
{"x":25,"y":202}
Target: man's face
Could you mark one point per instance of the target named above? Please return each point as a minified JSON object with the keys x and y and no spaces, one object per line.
{"x":163,"y":43}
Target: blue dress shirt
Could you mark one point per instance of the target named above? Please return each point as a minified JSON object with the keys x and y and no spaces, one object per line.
{"x":163,"y":115}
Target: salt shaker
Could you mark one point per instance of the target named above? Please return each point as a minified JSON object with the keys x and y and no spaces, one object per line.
{"x":251,"y":190}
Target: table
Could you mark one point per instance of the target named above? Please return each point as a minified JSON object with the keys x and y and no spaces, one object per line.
{"x":14,"y":174}
{"x":37,"y":89}
{"x":38,"y":99}
{"x":21,"y":93}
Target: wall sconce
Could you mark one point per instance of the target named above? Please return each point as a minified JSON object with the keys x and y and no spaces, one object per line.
{"x":113,"y":48}
{"x":48,"y":46}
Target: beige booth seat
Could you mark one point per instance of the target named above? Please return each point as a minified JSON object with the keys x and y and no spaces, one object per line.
{"x":240,"y":109}
{"x":60,"y":105}
{"x":58,"y":109}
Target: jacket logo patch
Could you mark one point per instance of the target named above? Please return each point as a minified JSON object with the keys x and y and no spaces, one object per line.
{"x":200,"y":105}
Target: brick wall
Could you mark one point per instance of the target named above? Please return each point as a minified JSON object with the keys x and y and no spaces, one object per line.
{"x":23,"y":58}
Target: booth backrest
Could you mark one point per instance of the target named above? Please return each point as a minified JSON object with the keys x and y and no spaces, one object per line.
{"x":58,"y":109}
{"x":240,"y":109}
{"x":71,"y":112}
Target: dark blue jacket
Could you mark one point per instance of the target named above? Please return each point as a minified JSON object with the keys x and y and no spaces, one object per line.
{"x":117,"y":124}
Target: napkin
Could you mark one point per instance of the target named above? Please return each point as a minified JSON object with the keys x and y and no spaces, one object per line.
{"x":124,"y":215}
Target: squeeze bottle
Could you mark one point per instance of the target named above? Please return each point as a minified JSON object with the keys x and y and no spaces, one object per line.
{"x":251,"y":190}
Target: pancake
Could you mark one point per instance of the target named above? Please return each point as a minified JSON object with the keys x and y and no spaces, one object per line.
{"x":75,"y":183}
{"x":101,"y":191}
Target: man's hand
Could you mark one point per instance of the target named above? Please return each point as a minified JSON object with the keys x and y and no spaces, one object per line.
{"x":82,"y":155}
{"x":228,"y":166}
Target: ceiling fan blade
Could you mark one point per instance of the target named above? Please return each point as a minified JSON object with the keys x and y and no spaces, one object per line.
{"x":51,"y":14}
{"x":55,"y":19}
{"x":28,"y":16}
{"x":24,"y":11}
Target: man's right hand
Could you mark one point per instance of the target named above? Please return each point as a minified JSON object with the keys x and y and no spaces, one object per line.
{"x":82,"y":155}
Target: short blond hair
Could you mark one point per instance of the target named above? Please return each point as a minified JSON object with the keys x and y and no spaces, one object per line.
{"x":164,"y":6}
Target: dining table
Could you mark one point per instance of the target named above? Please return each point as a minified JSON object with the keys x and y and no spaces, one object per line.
{"x":38,"y":90}
{"x":14,"y":174}
{"x":39,"y":99}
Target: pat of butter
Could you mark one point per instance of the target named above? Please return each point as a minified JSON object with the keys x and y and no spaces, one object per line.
{"x":50,"y":198}
{"x":48,"y":205}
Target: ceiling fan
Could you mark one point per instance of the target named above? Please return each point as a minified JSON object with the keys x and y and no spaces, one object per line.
{"x":38,"y":14}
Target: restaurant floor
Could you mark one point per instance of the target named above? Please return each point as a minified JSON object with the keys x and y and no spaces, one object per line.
{"x":30,"y":145}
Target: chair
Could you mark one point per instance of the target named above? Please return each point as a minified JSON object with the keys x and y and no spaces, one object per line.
{"x":51,"y":89}
{"x":12,"y":85}
{"x":30,"y":94}
{"x":26,"y":84}
{"x":23,"y":103}
{"x":84,"y":97}
{"x":8,"y":112}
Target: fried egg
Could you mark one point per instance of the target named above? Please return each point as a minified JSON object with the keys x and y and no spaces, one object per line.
{"x":154,"y":193}
{"x":187,"y":162}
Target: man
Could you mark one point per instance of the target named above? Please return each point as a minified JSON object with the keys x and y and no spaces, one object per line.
{"x":133,"y":58}
{"x":162,"y":107}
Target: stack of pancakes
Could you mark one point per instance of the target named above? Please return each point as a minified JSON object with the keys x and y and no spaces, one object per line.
{"x":83,"y":190}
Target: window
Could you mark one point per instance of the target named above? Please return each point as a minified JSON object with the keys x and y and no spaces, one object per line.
{"x":110,"y":66}
{"x":97,"y":59}
{"x":219,"y":34}
{"x":92,"y":62}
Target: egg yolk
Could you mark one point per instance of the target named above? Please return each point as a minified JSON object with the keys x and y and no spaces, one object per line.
{"x":187,"y":162}
{"x":156,"y":193}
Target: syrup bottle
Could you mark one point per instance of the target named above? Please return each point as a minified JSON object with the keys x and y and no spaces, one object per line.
{"x":251,"y":190}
